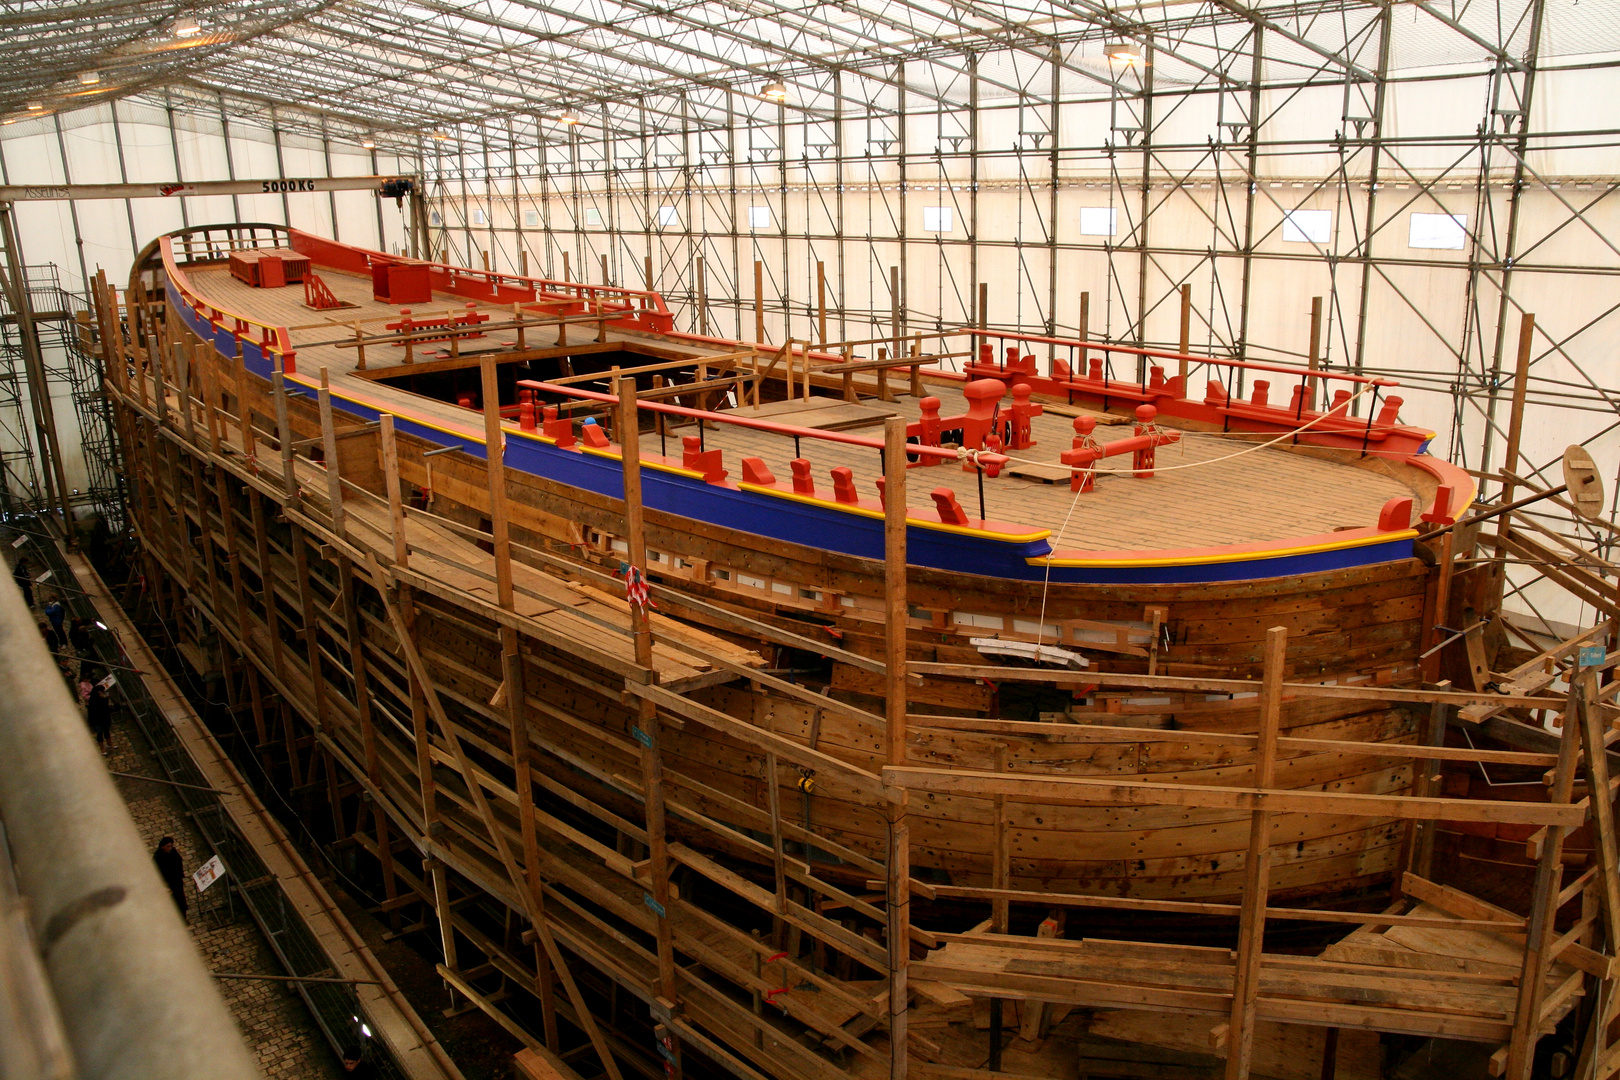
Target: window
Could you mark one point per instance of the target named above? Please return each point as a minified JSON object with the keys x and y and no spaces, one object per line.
{"x":759,"y":217}
{"x":1438,"y":231}
{"x":668,"y":218}
{"x":436,"y":218}
{"x":1098,"y":221}
{"x":593,"y":216}
{"x":480,"y":218}
{"x":1307,"y":226}
{"x":531,"y":219}
{"x":937,"y":219}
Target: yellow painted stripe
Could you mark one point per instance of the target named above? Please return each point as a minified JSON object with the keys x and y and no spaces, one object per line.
{"x":1233,"y":557}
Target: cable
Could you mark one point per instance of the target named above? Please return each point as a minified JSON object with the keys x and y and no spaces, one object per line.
{"x":1212,"y":461}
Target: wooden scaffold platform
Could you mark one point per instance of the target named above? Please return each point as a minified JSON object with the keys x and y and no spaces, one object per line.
{"x":522,"y":740}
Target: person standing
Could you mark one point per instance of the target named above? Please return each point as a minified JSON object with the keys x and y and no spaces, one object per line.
{"x":24,"y":578}
{"x":98,"y":712}
{"x":55,"y":612}
{"x":79,"y":637}
{"x":52,"y":642}
{"x":173,"y":871}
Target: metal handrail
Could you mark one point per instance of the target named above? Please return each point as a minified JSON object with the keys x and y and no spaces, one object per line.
{"x":133,"y":994}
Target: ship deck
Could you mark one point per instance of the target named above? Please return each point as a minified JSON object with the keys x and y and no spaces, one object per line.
{"x":1210,"y":490}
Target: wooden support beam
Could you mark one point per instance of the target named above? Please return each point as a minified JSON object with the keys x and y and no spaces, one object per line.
{"x":894,"y":585}
{"x":475,"y":786}
{"x":646,"y":730}
{"x":1426,"y":784}
{"x":1594,"y":729}
{"x":821,"y":302}
{"x":329,"y":454}
{"x":702,"y":298}
{"x":515,"y":694}
{"x":1510,"y":453}
{"x":898,"y":890}
{"x":1257,"y":866}
{"x":1185,"y":341}
{"x":388,"y":450}
{"x":1544,"y":905}
{"x":284,"y":435}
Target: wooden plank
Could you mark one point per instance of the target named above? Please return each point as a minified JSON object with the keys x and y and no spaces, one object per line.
{"x":1139,"y":793}
{"x":1291,"y":690}
{"x":1257,"y":867}
{"x":538,"y":1063}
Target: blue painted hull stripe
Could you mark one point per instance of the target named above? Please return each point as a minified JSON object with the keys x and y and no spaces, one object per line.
{"x":816,"y":526}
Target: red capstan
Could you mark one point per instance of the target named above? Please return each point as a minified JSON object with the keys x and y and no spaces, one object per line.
{"x":1262,"y":392}
{"x":982,"y":396}
{"x":987,"y":354}
{"x":526,"y":410}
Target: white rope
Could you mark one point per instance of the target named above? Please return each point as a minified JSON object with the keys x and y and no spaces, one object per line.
{"x":1211,"y":461}
{"x":1046,"y":583}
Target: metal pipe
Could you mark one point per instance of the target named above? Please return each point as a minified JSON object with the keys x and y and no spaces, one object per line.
{"x":134,"y":996}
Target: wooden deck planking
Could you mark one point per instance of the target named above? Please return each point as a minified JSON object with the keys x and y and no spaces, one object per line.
{"x":1266,"y":495}
{"x":1269,"y":494}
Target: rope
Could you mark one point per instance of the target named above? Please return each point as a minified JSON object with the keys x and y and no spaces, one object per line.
{"x":1212,"y":461}
{"x":1046,"y":582}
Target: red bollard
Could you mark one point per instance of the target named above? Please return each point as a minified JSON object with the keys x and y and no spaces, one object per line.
{"x":1142,"y":460}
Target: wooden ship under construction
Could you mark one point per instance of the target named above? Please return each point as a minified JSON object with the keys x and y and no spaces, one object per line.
{"x":746,"y":679}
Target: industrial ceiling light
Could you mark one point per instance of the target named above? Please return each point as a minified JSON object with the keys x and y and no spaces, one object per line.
{"x":36,"y":106}
{"x":185,"y":27}
{"x":441,"y":135}
{"x":89,"y":78}
{"x":1122,"y":52}
{"x":568,"y":117}
{"x":368,"y":142}
{"x":775,"y":90}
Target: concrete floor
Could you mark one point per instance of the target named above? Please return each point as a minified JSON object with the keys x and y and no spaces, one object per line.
{"x":273,"y":1020}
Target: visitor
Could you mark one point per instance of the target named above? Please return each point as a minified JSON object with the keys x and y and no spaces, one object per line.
{"x":98,"y":712}
{"x":79,"y":637}
{"x":52,"y":642}
{"x":25,"y":581}
{"x":354,"y":1062}
{"x":55,"y":612}
{"x":173,"y":871}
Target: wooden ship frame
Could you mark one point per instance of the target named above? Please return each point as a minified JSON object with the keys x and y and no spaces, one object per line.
{"x":549,"y":678}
